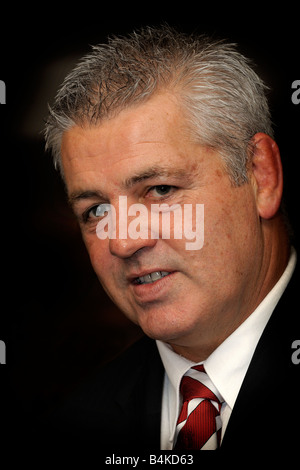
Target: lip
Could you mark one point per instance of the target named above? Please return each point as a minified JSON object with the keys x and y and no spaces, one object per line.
{"x":154,"y":290}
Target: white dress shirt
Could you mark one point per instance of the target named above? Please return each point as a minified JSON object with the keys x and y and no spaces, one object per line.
{"x":226,"y":366}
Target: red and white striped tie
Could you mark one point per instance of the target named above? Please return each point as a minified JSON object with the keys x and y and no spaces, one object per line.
{"x":199,"y":423}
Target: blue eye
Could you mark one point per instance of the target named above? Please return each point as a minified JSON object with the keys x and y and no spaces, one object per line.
{"x":96,"y":212}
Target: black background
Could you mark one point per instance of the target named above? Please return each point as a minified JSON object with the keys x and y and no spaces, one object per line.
{"x":55,"y":319}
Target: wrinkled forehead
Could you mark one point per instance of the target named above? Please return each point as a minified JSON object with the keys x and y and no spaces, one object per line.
{"x":144,"y":132}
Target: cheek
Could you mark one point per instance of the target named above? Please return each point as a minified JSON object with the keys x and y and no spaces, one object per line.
{"x":98,"y":253}
{"x":231,"y":230}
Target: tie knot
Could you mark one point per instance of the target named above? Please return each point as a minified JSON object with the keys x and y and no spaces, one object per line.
{"x":199,"y":368}
{"x":196,"y":384}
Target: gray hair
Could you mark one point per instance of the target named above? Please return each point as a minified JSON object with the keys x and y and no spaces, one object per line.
{"x":223,"y":97}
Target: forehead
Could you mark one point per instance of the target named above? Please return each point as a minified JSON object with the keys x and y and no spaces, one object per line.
{"x":152,"y":134}
{"x":158,"y":116}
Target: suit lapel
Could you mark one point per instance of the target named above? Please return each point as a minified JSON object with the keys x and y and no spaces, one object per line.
{"x":255,"y":421}
{"x":139,"y":397}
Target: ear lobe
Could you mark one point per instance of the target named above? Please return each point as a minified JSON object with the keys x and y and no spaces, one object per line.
{"x":267,"y":175}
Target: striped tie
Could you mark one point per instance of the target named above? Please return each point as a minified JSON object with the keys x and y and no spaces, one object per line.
{"x":199,"y":422}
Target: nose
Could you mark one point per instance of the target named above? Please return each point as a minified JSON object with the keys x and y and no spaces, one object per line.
{"x":127,"y":247}
{"x":128,"y":240}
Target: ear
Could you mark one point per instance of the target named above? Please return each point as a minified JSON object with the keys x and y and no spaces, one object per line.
{"x":266,"y":175}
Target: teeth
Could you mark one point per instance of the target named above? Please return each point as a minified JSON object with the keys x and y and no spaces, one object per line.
{"x":147,"y":278}
{"x":152,"y":277}
{"x":156,"y":275}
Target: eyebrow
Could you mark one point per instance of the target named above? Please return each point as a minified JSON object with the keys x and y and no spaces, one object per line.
{"x":153,"y":172}
{"x":91,"y":194}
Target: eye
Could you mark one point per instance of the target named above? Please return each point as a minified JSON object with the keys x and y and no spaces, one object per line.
{"x":96,"y":212}
{"x":160,"y":190}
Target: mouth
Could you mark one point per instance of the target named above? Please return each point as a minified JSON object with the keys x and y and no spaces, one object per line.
{"x":150,"y":277}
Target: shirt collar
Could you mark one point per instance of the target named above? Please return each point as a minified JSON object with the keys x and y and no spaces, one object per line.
{"x":175,"y":366}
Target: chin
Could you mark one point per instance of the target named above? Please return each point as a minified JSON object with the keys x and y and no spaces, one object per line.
{"x":167,"y":329}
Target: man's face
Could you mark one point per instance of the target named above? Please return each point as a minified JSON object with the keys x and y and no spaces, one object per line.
{"x":146,"y":154}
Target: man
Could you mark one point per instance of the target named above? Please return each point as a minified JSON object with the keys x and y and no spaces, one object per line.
{"x":167,"y":121}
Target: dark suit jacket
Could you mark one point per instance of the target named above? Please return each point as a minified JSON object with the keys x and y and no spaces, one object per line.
{"x":121,"y":405}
